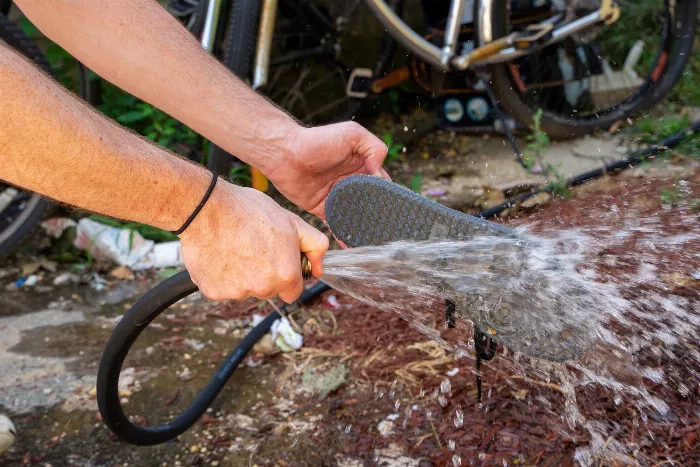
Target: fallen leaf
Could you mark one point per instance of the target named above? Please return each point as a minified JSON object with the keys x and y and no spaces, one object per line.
{"x":123,"y":273}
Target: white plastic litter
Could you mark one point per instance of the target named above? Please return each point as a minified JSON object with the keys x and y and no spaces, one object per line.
{"x":7,"y":434}
{"x":125,"y":247}
{"x":66,"y":278}
{"x":283,"y":335}
{"x":55,"y":226}
{"x":31,"y":281}
{"x":332,"y":301}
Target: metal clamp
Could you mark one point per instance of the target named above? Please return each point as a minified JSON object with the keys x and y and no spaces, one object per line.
{"x":364,"y":73}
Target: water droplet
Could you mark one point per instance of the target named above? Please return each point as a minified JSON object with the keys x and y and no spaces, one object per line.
{"x":456,"y":460}
{"x":451,"y":445}
{"x":397,"y":404}
{"x":380,"y":394}
{"x":459,"y":418}
{"x":482,"y":456}
{"x":348,"y":429}
{"x":442,"y":400}
{"x":405,"y":128}
{"x":445,"y":386}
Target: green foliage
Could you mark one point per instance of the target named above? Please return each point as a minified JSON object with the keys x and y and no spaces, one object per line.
{"x":394,"y":95}
{"x":671,"y":196}
{"x":416,"y":183}
{"x":654,"y":130}
{"x":687,"y":89}
{"x":394,"y":149}
{"x":240,"y":175}
{"x":557,"y":182}
{"x":145,"y":119}
{"x":537,"y":140}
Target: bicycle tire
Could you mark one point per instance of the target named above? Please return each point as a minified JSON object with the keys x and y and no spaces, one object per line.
{"x":239,"y":49}
{"x":560,"y":127}
{"x":35,"y":209}
{"x":239,"y":52}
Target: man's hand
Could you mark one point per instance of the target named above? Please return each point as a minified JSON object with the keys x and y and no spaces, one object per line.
{"x":319,"y":157}
{"x":243,"y":244}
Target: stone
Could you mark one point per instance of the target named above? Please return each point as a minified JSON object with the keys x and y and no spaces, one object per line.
{"x":322,"y":384}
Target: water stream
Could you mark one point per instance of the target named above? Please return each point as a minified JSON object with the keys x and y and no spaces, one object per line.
{"x":562,"y":317}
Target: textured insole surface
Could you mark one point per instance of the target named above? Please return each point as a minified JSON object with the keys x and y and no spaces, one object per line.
{"x":364,"y":211}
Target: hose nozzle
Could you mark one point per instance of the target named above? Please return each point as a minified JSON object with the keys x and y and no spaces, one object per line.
{"x":305,"y":267}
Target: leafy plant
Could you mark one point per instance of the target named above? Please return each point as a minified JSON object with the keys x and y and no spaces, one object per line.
{"x":654,"y":130}
{"x":394,"y":101}
{"x":557,"y":182}
{"x":240,"y":175}
{"x":671,"y":196}
{"x":416,"y":183}
{"x":537,"y":140}
{"x":394,"y":149}
{"x":145,"y":119}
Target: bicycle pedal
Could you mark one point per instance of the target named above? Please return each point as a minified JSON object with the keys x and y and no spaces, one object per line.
{"x":359,"y":83}
{"x":532,"y":36}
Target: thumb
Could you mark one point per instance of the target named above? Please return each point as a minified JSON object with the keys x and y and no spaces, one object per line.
{"x":313,"y":243}
{"x":371,"y":148}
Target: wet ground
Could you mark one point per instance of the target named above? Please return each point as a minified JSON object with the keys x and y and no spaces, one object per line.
{"x":385,"y":408}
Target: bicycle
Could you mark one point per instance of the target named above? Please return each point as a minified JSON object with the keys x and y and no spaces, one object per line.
{"x":585,"y":63}
{"x":573,"y":59}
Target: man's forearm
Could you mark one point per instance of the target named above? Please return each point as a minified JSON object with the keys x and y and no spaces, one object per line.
{"x":54,"y":144}
{"x":138,"y":46}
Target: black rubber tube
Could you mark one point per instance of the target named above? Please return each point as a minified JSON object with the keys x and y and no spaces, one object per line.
{"x":128,"y":330}
{"x":629,"y":161}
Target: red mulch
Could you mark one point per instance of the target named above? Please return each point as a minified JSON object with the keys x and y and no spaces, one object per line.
{"x":523,"y":424}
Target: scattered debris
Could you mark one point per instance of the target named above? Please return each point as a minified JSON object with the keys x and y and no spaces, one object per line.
{"x":66,"y":278}
{"x":322,"y":384}
{"x":385,"y":427}
{"x":537,"y":200}
{"x":125,"y":247}
{"x":33,"y":267}
{"x":55,"y":227}
{"x":332,"y":302}
{"x":123,"y":273}
{"x":8,"y":432}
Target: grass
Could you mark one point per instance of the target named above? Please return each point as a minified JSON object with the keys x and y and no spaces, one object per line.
{"x":394,"y":150}
{"x":652,"y":130}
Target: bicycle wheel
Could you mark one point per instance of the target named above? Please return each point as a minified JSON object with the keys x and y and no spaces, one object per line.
{"x":315,"y":48}
{"x":590,"y":80}
{"x":20,"y":211}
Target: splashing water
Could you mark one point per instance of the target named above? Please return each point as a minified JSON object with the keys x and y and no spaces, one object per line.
{"x":568,"y":322}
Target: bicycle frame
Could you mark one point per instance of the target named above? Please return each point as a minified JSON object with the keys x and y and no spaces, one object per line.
{"x":446,"y":59}
{"x":489,"y":51}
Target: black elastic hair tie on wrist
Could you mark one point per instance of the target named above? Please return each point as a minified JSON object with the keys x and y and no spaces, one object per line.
{"x":201,"y":205}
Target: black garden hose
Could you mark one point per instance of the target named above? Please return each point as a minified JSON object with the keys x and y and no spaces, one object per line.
{"x":128,"y":330}
{"x":628,"y":162}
